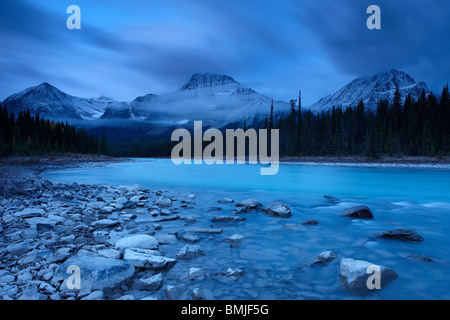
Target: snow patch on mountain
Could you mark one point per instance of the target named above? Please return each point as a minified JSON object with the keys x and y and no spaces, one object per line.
{"x":370,"y":90}
{"x":214,"y":99}
{"x":52,"y":103}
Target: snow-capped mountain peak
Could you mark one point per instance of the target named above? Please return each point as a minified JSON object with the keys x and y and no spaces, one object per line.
{"x":206,"y":84}
{"x":52,"y":103}
{"x":213,"y":98}
{"x":371,"y":89}
{"x":208,"y":80}
{"x":44,"y":90}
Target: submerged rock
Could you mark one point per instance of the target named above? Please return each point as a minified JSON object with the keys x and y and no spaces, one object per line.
{"x":311,"y":223}
{"x":279,"y":209}
{"x":190,"y":219}
{"x":210,"y":230}
{"x":178,"y":292}
{"x":326,"y":257}
{"x":232,"y":274}
{"x":189,"y":237}
{"x":235,"y":240}
{"x":361,"y":212}
{"x":401,"y":234}
{"x":163,"y":202}
{"x":196,"y":274}
{"x":225,"y":201}
{"x":332,"y":199}
{"x":150,"y":283}
{"x":228,"y":219}
{"x":419,"y":258}
{"x":166,"y":239}
{"x":198,"y":294}
{"x":166,"y":218}
{"x":354,"y":274}
{"x":190,"y":252}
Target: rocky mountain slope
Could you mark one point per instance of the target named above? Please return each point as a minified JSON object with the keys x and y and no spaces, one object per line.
{"x":371,"y":89}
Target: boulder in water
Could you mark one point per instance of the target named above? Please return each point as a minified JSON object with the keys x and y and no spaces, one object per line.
{"x":279,"y":209}
{"x":355,"y":275}
{"x":360,"y":212}
{"x":402,"y":234}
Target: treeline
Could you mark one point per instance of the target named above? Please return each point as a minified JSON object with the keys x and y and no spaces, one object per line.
{"x":414,"y":128}
{"x":27,"y":135}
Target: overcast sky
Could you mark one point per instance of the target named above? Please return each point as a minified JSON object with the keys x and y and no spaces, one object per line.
{"x":130,"y":48}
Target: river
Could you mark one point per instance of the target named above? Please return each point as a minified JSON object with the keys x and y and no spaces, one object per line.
{"x":276,"y":253}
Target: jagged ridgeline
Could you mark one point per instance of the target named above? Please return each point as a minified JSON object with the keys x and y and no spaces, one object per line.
{"x":386,"y":114}
{"x":27,"y":135}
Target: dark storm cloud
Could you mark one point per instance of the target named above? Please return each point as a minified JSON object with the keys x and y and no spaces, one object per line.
{"x":22,"y":20}
{"x":233,"y":37}
{"x":126,"y":49}
{"x":413,"y":37}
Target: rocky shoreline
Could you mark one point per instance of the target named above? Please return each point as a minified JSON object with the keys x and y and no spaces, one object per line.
{"x":19,"y":175}
{"x":411,"y":160}
{"x":49,"y":231}
{"x":121,"y":239}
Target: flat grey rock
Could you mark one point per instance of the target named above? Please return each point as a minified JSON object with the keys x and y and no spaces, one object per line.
{"x":30,"y":213}
{"x":143,"y":241}
{"x":166,"y":239}
{"x":149,"y":259}
{"x":97,"y":273}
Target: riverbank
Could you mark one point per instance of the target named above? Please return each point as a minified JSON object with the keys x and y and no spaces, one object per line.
{"x":113,"y":235}
{"x":418,"y":160}
{"x":21,"y":173}
{"x":359,"y":161}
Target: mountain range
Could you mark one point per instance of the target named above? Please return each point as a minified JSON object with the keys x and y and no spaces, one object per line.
{"x":218,"y":100}
{"x":371,"y":89}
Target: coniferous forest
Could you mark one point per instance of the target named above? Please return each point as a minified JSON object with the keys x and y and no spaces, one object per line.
{"x":27,"y":135}
{"x":414,"y":128}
